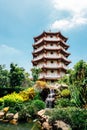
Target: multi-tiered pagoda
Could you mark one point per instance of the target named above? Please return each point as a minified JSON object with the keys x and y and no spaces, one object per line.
{"x":50,"y":54}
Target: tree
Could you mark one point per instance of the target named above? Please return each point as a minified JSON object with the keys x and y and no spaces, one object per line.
{"x":4,"y":76}
{"x":16,"y":75}
{"x":35,"y":73}
{"x":78,"y":78}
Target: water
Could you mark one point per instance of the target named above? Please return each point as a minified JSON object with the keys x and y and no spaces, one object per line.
{"x":20,"y":126}
{"x":50,"y":99}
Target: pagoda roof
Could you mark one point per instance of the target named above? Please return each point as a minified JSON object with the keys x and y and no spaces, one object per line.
{"x":59,"y":49}
{"x":52,"y":58}
{"x":59,"y":41}
{"x":44,"y":33}
{"x":54,"y":68}
{"x":50,"y":78}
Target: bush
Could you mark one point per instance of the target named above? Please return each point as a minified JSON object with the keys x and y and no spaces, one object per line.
{"x":29,"y":110}
{"x":65,"y":93}
{"x":40,"y":85}
{"x":75,"y":117}
{"x":11,"y":99}
{"x":63,"y":102}
{"x":37,"y":105}
{"x":27,"y":94}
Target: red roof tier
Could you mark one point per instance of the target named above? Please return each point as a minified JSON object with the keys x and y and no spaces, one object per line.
{"x":50,"y":33}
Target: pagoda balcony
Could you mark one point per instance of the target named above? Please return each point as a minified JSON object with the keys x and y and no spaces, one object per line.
{"x":49,"y":48}
{"x":48,"y":39}
{"x":49,"y":76}
{"x":54,"y":66}
{"x":54,"y":57}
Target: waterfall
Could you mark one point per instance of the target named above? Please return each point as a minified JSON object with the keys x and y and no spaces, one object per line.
{"x":50,"y":99}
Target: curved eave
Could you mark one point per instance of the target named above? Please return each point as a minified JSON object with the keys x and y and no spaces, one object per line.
{"x":59,"y":42}
{"x":51,"y":58}
{"x":54,"y":68}
{"x":66,"y":54}
{"x":51,"y":49}
{"x":50,"y":33}
{"x":49,"y":78}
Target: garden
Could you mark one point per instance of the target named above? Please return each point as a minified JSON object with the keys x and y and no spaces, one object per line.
{"x":22,"y":98}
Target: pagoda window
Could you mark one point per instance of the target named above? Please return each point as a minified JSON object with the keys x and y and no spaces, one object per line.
{"x":51,"y":52}
{"x":52,"y":71}
{"x":51,"y":44}
{"x":51,"y":62}
{"x":51,"y":36}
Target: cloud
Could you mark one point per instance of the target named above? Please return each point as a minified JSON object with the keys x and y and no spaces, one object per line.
{"x":8,"y":51}
{"x":69,"y":23}
{"x":75,"y":6}
{"x":77,"y":14}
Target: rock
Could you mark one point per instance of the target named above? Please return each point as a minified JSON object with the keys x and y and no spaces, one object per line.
{"x":41,"y":112}
{"x":13,"y":121}
{"x":1,"y":114}
{"x":5,"y":121}
{"x":16,"y":116}
{"x":9,"y":116}
{"x":46,"y":126}
{"x":5,"y":109}
{"x":62,"y":125}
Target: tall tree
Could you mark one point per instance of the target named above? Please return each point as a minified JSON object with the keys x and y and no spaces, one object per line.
{"x":35,"y":73}
{"x":4,"y":76}
{"x":16,"y":75}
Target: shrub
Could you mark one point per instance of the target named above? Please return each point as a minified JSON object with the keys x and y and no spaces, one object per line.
{"x":29,"y":110}
{"x":27,"y":94}
{"x":65,"y":93}
{"x":63,"y":102}
{"x":40,"y":85}
{"x":24,"y":113}
{"x":11,"y":99}
{"x":37,"y":105}
{"x":1,"y":101}
{"x":75,"y":117}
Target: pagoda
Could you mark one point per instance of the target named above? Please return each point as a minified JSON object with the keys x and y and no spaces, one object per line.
{"x":50,"y":54}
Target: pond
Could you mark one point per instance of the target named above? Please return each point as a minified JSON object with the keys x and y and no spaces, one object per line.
{"x":20,"y":126}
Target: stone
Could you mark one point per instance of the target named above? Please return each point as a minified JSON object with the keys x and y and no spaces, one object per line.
{"x":9,"y":116}
{"x":62,"y":125}
{"x":13,"y":121}
{"x":16,"y":116}
{"x":46,"y":126}
{"x":1,"y":114}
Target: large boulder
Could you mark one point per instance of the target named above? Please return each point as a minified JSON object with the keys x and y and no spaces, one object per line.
{"x":1,"y":114}
{"x":46,"y":126}
{"x":61,"y":125}
{"x":9,"y":116}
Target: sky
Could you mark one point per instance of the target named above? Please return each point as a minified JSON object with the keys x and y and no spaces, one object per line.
{"x":21,"y":20}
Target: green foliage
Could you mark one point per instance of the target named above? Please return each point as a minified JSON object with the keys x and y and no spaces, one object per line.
{"x":76,"y":117}
{"x":16,"y":75}
{"x":30,"y":109}
{"x":65,"y":93}
{"x":37,"y":105}
{"x":4,"y":76}
{"x":35,"y":73}
{"x":63,"y":102}
{"x":75,"y":96}
{"x":1,"y":101}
